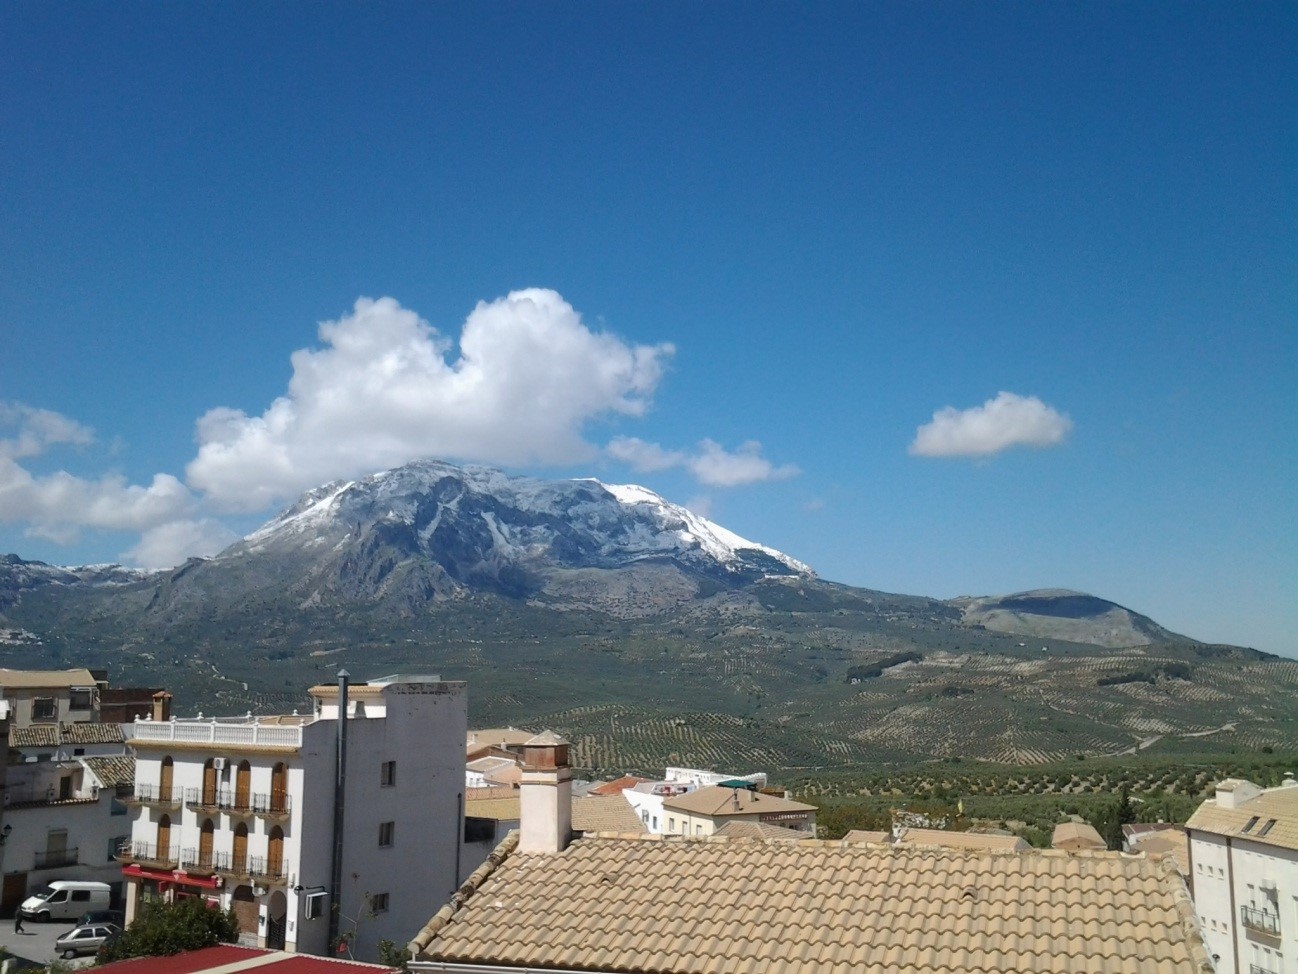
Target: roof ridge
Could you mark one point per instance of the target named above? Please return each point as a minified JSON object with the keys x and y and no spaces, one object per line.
{"x":461,"y":896}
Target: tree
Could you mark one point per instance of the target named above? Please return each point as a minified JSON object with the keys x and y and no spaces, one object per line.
{"x":169,"y":928}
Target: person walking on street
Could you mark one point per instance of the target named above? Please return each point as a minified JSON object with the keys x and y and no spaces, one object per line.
{"x":18,"y":921}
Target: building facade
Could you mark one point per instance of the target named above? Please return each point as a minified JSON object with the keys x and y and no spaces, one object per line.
{"x":242,"y":812}
{"x":1243,"y":874}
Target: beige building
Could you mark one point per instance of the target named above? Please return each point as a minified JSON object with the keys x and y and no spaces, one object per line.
{"x":654,"y":904}
{"x":704,"y":811}
{"x":1077,"y":836}
{"x":50,"y":696}
{"x":1243,"y":872}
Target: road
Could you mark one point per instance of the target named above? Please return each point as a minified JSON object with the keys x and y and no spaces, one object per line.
{"x":35,"y":944}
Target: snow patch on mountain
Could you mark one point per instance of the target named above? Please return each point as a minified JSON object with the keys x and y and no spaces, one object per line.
{"x":721,"y":543}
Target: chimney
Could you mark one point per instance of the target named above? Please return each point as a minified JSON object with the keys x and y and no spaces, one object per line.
{"x":545,"y":795}
{"x":162,"y":705}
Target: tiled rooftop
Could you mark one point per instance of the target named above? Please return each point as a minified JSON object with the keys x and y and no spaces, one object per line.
{"x":1276,"y":805}
{"x":40,"y":679}
{"x":55,"y":735}
{"x":112,"y":771}
{"x":960,"y":840}
{"x":725,"y":906}
{"x":760,"y":830}
{"x":617,"y":785}
{"x":589,"y":814}
{"x":867,"y":835}
{"x":1076,"y":835}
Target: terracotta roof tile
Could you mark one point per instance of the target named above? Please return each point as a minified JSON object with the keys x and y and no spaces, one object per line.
{"x":617,"y":785}
{"x":760,"y":830}
{"x":112,"y":771}
{"x":55,"y":735}
{"x":1278,"y":806}
{"x":651,"y":904}
{"x":961,"y":840}
{"x":604,"y":813}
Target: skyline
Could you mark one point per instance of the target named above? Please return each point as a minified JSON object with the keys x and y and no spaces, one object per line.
{"x":936,"y":300}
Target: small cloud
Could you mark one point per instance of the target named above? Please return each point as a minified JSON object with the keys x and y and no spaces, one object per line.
{"x":32,"y":431}
{"x":387,"y":388}
{"x":814,"y":505}
{"x":167,"y":545}
{"x":711,"y":464}
{"x":643,"y":457}
{"x":718,"y":467}
{"x":1006,"y":421}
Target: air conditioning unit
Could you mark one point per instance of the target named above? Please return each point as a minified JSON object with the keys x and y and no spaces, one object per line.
{"x":218,"y":764}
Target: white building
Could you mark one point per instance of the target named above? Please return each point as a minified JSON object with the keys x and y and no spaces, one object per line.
{"x":1244,"y":876}
{"x":242,"y":812}
{"x":647,"y":796}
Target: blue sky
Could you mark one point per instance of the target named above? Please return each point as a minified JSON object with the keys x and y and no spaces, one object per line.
{"x":739,"y":253}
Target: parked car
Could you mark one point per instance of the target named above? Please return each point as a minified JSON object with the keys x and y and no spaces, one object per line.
{"x":86,"y":939}
{"x":116,"y":917}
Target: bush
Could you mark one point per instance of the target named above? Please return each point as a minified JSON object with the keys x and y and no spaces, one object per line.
{"x":170,"y":928}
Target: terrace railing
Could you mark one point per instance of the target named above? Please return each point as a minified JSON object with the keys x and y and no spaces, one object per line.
{"x":1260,"y":920}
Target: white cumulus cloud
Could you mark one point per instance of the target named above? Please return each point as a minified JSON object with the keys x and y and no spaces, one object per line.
{"x":59,"y":505}
{"x":710,"y":464}
{"x":528,"y":377}
{"x":1008,"y":420}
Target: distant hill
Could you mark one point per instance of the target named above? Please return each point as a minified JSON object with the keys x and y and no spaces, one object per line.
{"x":649,"y":634}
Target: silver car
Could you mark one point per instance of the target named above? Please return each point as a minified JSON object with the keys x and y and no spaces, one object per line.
{"x":86,"y":939}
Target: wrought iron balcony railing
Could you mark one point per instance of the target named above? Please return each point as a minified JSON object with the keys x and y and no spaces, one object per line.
{"x":1260,"y":920}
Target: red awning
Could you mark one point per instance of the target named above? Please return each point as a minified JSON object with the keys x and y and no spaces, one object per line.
{"x":176,"y":877}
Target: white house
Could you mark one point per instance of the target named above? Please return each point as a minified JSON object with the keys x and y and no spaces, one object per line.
{"x":242,"y":812}
{"x":1243,"y":873}
{"x":647,"y":797}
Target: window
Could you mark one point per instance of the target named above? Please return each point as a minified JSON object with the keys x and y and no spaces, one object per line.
{"x":387,"y":774}
{"x":79,"y":699}
{"x":43,"y":708}
{"x":1249,"y":827}
{"x":315,"y":904}
{"x":671,"y":823}
{"x":81,"y":896}
{"x":386,"y":829}
{"x":116,"y":843}
{"x":378,"y":902}
{"x":1270,"y":823}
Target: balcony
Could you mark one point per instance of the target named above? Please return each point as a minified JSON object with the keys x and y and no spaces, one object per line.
{"x":54,"y":858}
{"x":1259,"y":969}
{"x":273,"y":804}
{"x":1259,"y":921}
{"x":267,"y":870}
{"x":149,"y":854}
{"x":154,"y":795}
{"x":197,"y":862}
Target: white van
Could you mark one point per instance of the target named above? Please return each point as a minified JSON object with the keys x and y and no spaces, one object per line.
{"x":66,"y":899}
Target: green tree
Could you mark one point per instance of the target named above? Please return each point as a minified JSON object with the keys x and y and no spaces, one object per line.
{"x":169,"y":928}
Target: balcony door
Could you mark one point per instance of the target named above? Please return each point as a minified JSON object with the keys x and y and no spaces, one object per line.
{"x":209,"y":782}
{"x":205,"y":838}
{"x":243,"y":785}
{"x":278,"y":787}
{"x":164,"y":837}
{"x":275,"y":853}
{"x":164,"y":783}
{"x":240,"y":863}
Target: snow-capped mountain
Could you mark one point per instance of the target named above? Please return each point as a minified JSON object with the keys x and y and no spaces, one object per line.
{"x":434,"y":530}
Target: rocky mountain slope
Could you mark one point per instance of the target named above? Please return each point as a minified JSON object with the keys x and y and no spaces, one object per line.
{"x":561,"y":599}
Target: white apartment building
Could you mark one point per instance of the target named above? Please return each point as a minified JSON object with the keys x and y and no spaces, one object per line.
{"x":1244,"y":876}
{"x":242,"y":812}
{"x":647,"y":797}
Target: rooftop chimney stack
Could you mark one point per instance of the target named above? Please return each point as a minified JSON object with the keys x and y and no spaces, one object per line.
{"x":545,"y":795}
{"x":162,"y":705}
